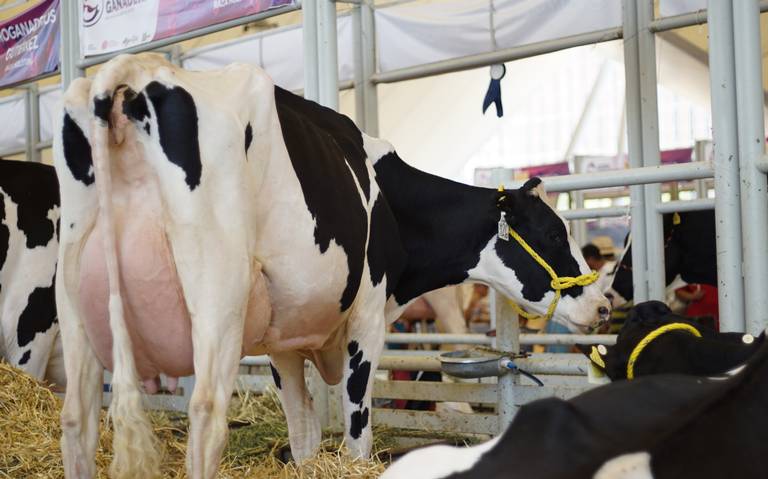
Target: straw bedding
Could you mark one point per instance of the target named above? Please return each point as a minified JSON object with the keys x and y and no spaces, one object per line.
{"x":30,"y":432}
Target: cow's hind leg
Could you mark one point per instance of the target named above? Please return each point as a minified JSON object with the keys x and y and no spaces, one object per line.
{"x":303,"y":425}
{"x":216,"y":358}
{"x":82,"y":403}
{"x":365,"y":341}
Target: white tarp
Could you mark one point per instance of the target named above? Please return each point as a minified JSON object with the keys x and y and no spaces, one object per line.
{"x":668,"y":8}
{"x":12,"y":134}
{"x":280,"y":52}
{"x":416,"y":33}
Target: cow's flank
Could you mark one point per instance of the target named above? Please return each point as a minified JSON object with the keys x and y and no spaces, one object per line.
{"x":326,"y":182}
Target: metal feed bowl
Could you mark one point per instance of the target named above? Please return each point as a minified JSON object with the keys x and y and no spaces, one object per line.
{"x":471,"y":364}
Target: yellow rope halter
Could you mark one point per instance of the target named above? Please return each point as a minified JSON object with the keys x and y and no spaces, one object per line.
{"x":650,"y":337}
{"x":558,"y":283}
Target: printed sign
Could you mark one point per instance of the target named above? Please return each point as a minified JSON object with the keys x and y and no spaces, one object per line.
{"x":29,"y":43}
{"x":111,"y":25}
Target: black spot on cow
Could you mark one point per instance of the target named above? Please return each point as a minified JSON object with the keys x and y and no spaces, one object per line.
{"x":433,"y":227}
{"x":357,"y":423}
{"x":358,"y":380}
{"x":102,"y":106}
{"x":275,"y":376}
{"x":248,"y":137}
{"x":38,"y":316}
{"x":324,"y":146}
{"x":77,"y":151}
{"x":178,"y":130}
{"x":136,"y":108}
{"x":25,"y":357}
{"x":386,"y":255}
{"x":34,"y":189}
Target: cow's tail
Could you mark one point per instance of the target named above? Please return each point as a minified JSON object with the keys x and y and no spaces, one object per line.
{"x":134,"y":444}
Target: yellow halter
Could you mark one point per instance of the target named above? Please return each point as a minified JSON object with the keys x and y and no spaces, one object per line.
{"x":650,"y":337}
{"x":558,"y":283}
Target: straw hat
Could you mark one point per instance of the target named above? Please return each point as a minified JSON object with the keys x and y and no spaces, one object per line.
{"x":605,"y":245}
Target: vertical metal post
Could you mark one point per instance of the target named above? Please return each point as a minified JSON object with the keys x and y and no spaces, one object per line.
{"x":359,"y":76}
{"x":32,"y":118}
{"x":635,"y":148}
{"x":700,"y":149}
{"x":369,"y":92}
{"x":754,"y":185}
{"x":727,"y":199}
{"x":328,"y":61}
{"x":309,"y":18}
{"x":654,"y":234}
{"x":507,"y":339}
{"x":70,"y":43}
{"x":578,"y":227}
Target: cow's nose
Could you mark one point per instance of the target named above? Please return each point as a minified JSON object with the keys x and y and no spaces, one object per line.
{"x":603,"y":311}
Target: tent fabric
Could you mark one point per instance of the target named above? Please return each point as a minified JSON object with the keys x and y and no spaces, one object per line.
{"x":12,"y":134}
{"x":416,"y":33}
{"x":668,"y":8}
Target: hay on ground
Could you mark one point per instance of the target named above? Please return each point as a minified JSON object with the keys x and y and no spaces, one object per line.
{"x":30,"y":434}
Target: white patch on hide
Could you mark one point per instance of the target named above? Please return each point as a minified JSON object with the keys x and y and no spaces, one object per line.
{"x":627,"y":466}
{"x":437,"y":461}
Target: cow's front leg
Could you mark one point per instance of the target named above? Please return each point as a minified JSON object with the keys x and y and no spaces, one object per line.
{"x":82,"y":403}
{"x":365,"y":341}
{"x":304,"y":432}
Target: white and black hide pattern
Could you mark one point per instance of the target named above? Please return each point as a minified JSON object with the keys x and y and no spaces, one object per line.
{"x":656,"y":427}
{"x":285,"y":230}
{"x":29,"y":220}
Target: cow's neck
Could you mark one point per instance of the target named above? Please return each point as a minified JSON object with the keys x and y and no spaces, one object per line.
{"x":443,"y":225}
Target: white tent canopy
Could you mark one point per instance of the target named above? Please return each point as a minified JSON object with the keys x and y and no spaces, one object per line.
{"x":436,"y":123}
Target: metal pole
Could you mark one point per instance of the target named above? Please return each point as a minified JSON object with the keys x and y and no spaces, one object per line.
{"x":328,"y":62}
{"x":654,"y":234}
{"x":635,"y":147}
{"x":727,"y":201}
{"x":470,"y":62}
{"x":70,"y":43}
{"x":689,"y":19}
{"x":635,"y":176}
{"x":357,"y":55}
{"x":32,"y":110}
{"x":368,"y":56}
{"x":311,"y":70}
{"x":754,"y":186}
{"x":507,"y":339}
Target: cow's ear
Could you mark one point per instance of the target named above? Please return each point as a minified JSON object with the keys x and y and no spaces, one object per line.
{"x":534,"y":187}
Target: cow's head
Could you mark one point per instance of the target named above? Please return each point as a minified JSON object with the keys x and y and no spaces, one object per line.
{"x":509,"y":268}
{"x":622,"y":288}
{"x":649,"y":316}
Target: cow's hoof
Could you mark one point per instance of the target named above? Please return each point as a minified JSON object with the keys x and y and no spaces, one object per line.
{"x":284,"y":454}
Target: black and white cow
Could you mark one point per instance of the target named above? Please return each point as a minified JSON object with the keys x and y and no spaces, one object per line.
{"x":231,"y":217}
{"x":662,"y":426}
{"x":677,"y":351}
{"x":29,"y":215}
{"x":689,"y":251}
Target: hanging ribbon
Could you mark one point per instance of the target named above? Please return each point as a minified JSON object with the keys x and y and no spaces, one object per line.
{"x":493,"y":95}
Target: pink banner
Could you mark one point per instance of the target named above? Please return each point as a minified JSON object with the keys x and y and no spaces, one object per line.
{"x":29,"y":43}
{"x":111,"y":25}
